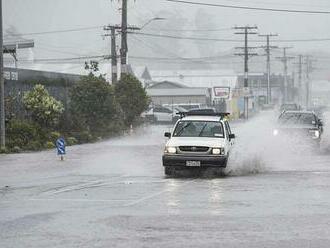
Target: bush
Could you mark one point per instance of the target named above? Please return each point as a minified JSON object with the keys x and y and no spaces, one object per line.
{"x":84,"y":137}
{"x":35,"y":145}
{"x":44,"y":109}
{"x":21,"y":133}
{"x":131,"y":97}
{"x":50,"y":145}
{"x":53,"y":136}
{"x":16,"y":149}
{"x":3,"y":150}
{"x":71,"y":141}
{"x":93,"y":105}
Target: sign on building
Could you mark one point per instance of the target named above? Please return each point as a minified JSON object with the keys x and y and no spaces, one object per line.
{"x":6,"y":75}
{"x":11,"y":75}
{"x":221,"y":92}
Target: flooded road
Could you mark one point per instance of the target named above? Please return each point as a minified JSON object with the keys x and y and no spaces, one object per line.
{"x":114,"y":194}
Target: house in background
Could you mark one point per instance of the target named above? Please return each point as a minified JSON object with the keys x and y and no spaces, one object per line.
{"x":207,"y":87}
{"x":174,"y":93}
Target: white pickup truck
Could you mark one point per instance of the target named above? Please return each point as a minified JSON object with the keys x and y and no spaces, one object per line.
{"x":199,"y":141}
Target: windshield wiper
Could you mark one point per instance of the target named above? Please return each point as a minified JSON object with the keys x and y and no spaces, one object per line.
{"x":202,"y":130}
{"x":183,"y":128}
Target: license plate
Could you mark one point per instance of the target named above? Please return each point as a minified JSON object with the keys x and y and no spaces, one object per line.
{"x":193,"y":163}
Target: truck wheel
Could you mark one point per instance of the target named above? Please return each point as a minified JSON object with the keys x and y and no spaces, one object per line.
{"x":169,"y":171}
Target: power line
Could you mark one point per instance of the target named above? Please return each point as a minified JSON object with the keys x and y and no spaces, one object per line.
{"x":191,"y":30}
{"x":246,"y":31}
{"x":55,"y":31}
{"x":250,"y":8}
{"x":268,"y":47}
{"x":66,"y":59}
{"x":224,"y":40}
{"x":284,"y":59}
{"x":282,"y":4}
{"x":184,"y":37}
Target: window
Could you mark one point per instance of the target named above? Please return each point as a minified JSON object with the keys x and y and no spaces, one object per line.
{"x":162,"y":110}
{"x":297,"y":119}
{"x":227,"y":129}
{"x":210,"y":129}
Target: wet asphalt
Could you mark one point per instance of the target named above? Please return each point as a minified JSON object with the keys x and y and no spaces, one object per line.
{"x":114,"y":194}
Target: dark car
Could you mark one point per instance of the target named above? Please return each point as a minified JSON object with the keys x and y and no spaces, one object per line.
{"x":289,"y":107}
{"x":302,"y":124}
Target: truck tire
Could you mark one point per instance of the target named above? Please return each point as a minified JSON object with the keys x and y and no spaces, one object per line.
{"x":169,"y":171}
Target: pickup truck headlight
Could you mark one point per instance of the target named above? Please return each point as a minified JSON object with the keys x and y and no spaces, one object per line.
{"x":315,"y":134}
{"x":170,"y":149}
{"x":218,"y":151}
{"x":275,"y":132}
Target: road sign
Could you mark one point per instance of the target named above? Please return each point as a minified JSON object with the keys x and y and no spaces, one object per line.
{"x":10,"y":75}
{"x":221,"y":92}
{"x":246,"y":91}
{"x":60,"y":145}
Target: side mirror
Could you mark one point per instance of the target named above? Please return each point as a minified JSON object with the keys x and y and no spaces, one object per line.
{"x":167,"y":134}
{"x":232,"y":136}
{"x":320,"y":123}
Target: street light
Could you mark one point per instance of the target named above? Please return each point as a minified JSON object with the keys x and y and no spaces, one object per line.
{"x":151,"y":20}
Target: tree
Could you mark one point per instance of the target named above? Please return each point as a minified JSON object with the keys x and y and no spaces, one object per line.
{"x":44,"y":109}
{"x":131,"y":97}
{"x":93,"y":105}
{"x":92,"y":66}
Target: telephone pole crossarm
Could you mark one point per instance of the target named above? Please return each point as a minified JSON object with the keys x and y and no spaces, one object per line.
{"x":247,"y":30}
{"x":267,"y":48}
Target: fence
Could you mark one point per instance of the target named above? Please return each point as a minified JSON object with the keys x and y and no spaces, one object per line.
{"x":19,"y":81}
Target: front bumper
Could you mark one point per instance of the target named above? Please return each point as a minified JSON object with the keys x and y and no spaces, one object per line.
{"x":205,"y":161}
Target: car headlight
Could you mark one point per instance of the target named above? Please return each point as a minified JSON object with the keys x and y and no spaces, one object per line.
{"x":218,"y":151}
{"x":317,"y":134}
{"x":275,"y":132}
{"x":170,"y":149}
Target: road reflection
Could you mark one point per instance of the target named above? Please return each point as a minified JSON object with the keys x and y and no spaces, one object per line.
{"x":215,"y":198}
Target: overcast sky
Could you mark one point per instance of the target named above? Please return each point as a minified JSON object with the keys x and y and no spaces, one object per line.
{"x":51,"y":15}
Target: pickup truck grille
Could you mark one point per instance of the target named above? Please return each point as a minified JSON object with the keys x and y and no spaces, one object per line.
{"x":194,"y":148}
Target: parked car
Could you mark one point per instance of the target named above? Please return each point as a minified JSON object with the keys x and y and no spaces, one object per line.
{"x":198,"y":142}
{"x":159,"y":114}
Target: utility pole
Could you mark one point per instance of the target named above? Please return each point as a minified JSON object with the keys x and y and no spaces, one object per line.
{"x":247,"y":30}
{"x":300,"y":64}
{"x":112,"y":34}
{"x":124,"y":30}
{"x":113,"y":55}
{"x":2,"y":88}
{"x":124,"y":47}
{"x":309,"y":69}
{"x":285,"y":60}
{"x":268,"y":48}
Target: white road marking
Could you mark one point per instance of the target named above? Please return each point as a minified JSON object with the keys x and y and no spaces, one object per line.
{"x":152,"y":196}
{"x":81,"y":186}
{"x":64,"y":200}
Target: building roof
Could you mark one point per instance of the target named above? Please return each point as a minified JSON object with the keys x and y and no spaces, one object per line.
{"x":197,"y":78}
{"x":146,"y":74}
{"x":178,"y":92}
{"x":166,"y":85}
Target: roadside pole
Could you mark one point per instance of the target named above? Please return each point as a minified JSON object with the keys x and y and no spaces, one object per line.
{"x":247,"y":30}
{"x":2,"y":88}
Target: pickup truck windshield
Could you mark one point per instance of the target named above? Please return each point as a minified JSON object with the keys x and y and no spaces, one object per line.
{"x":209,"y":129}
{"x":297,"y":119}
